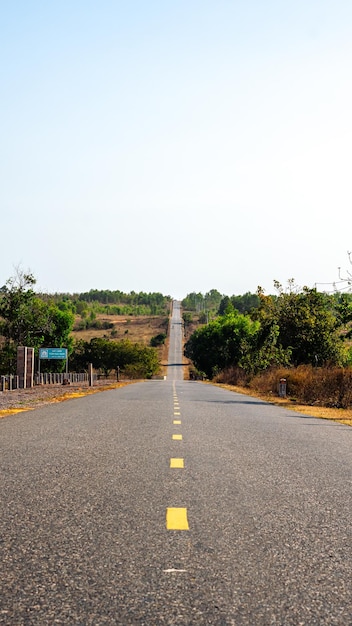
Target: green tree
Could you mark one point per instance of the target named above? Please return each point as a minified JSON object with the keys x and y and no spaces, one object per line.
{"x":134,"y":359}
{"x":306,"y":322}
{"x":79,"y":358}
{"x":100,"y":353}
{"x":221,"y":343}
{"x":158,"y":340}
{"x":224,"y":304}
{"x":199,"y":302}
{"x":343,"y":306}
{"x":18,"y":305}
{"x":187,"y":318}
{"x":28,"y":320}
{"x":193,"y":302}
{"x":245,"y":303}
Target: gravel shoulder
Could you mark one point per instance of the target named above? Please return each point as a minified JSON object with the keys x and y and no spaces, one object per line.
{"x":27,"y":399}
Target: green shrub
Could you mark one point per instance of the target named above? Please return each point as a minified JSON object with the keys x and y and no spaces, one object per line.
{"x":158,"y":340}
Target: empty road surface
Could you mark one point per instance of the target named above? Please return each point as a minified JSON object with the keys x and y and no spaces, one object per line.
{"x":174,"y":502}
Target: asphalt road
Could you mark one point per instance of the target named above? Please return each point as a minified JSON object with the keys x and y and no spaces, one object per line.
{"x":93,"y":516}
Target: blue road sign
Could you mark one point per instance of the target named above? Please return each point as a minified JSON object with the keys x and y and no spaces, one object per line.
{"x":53,"y":353}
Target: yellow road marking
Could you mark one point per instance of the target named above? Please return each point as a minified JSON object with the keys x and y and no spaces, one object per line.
{"x":177,"y":437}
{"x":176,"y":519}
{"x":176,"y":422}
{"x":177,"y":413}
{"x":177,"y":463}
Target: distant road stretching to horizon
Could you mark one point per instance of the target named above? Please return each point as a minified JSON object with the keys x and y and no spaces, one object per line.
{"x":174,"y":502}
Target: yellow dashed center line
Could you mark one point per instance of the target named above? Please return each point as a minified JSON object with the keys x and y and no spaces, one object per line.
{"x":177,"y":463}
{"x":176,"y":519}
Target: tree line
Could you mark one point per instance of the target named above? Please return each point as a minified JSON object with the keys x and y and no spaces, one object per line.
{"x":115,"y":302}
{"x":290,"y":328}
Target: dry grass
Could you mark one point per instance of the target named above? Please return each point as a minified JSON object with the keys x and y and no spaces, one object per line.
{"x":7,"y":412}
{"x":329,"y":387}
{"x":343,"y":416}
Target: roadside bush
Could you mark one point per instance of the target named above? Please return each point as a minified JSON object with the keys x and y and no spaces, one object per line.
{"x":85,"y":324}
{"x":330,"y":387}
{"x":82,"y":324}
{"x":158,"y":340}
{"x":195,"y":374}
{"x":233,"y":376}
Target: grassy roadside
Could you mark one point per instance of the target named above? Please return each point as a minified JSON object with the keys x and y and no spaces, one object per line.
{"x":343,"y":416}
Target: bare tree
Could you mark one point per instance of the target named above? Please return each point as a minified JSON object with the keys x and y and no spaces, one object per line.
{"x":348,"y":275}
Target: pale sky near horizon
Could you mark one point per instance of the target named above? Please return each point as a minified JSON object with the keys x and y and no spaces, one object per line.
{"x":175,"y":146}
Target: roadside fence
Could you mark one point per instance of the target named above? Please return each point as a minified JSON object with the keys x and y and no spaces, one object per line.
{"x":11,"y":382}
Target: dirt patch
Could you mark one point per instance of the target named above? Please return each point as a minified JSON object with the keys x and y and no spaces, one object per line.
{"x":139,"y":328}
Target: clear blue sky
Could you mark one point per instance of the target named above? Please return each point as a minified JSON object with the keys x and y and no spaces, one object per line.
{"x":175,"y":146}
